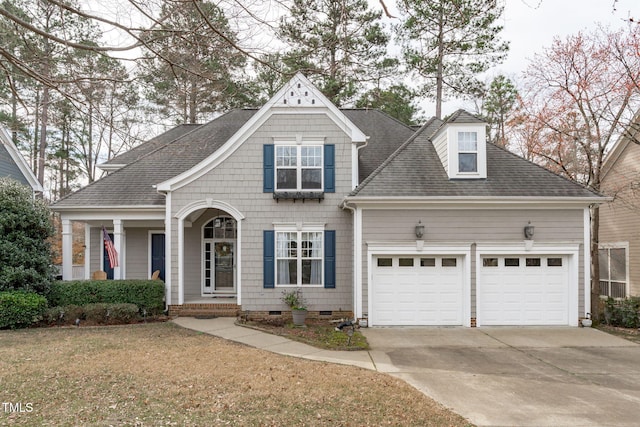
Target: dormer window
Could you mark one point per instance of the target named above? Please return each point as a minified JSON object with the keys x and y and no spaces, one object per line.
{"x":467,"y":152}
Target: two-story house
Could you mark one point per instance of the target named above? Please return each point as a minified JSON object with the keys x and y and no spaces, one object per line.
{"x":367,"y":216}
{"x":14,"y":166}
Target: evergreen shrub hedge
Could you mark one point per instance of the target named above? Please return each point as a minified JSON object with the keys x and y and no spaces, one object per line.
{"x":19,"y":309}
{"x":145,"y":294}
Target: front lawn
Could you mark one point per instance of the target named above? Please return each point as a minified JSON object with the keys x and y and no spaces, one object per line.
{"x":160,"y":375}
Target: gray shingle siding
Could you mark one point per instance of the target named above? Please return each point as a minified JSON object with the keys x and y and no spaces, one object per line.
{"x":8,"y":167}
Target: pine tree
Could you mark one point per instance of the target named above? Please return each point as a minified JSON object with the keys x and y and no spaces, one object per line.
{"x":340,"y":45}
{"x":447,"y":43}
{"x":192,"y":69}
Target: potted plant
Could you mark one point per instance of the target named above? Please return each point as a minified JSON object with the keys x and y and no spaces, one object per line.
{"x":297,"y":304}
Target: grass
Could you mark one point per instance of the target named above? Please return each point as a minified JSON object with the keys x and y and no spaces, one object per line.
{"x":162,"y":375}
{"x":318,"y":333}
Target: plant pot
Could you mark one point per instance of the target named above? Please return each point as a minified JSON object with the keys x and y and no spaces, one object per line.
{"x":299,"y":316}
{"x":586,"y":323}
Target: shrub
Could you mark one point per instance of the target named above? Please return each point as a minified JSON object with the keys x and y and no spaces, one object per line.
{"x":99,"y":313}
{"x":19,"y":309}
{"x":623,"y":313}
{"x":25,"y":252}
{"x":145,"y":294}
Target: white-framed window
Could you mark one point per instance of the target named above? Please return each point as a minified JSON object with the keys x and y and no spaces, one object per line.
{"x":299,"y":257}
{"x":613,"y":261}
{"x":299,"y":167}
{"x":467,"y":152}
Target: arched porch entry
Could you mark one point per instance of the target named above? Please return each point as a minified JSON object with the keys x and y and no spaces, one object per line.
{"x":219,"y":261}
{"x":209,"y":252}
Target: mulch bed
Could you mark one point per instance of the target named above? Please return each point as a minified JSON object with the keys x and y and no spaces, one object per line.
{"x":316,"y":332}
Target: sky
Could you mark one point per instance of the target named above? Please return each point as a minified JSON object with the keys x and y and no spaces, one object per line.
{"x":531,"y":25}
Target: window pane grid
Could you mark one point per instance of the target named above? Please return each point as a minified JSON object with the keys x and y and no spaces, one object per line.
{"x":467,"y":141}
{"x":299,"y":169}
{"x":303,"y":266}
{"x":613,"y":272}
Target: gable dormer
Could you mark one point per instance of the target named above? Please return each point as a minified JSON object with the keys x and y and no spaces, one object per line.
{"x":461,"y":145}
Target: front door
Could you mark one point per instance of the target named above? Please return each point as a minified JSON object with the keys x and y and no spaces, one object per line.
{"x":219,"y":260}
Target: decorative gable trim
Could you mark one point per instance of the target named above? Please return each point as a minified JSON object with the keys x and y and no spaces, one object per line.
{"x":19,"y":161}
{"x":299,"y":88}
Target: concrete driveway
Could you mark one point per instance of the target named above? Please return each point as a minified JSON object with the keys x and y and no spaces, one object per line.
{"x":517,"y":376}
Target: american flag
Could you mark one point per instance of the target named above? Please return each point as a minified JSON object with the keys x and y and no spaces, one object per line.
{"x":111,"y":250}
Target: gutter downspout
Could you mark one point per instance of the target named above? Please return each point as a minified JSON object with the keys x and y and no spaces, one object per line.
{"x":357,"y":309}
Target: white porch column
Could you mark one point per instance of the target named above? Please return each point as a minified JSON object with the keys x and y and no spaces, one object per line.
{"x":117,"y":242}
{"x":67,"y":250}
{"x":180,"y":261}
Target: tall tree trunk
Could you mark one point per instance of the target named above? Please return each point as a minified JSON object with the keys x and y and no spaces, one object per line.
{"x":595,"y":264}
{"x":192,"y":103}
{"x":42,"y":146}
{"x":440,"y":70}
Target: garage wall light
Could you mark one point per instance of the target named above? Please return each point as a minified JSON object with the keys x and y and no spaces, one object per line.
{"x":419,"y":230}
{"x":528,"y":231}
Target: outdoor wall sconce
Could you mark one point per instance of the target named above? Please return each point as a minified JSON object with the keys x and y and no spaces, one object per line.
{"x":419,"y":230}
{"x":528,"y":231}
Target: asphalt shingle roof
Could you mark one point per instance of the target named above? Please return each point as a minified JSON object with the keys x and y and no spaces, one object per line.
{"x":416,"y":170}
{"x":139,"y":151}
{"x":132,"y":185}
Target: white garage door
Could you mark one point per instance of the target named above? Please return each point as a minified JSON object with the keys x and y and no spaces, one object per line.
{"x":417,"y":290}
{"x":523,"y":290}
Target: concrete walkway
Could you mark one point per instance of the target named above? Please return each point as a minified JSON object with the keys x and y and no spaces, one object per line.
{"x":225,"y":327}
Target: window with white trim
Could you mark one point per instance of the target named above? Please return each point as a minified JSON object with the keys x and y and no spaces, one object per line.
{"x":613,"y":271}
{"x":299,"y":258}
{"x":299,"y":167}
{"x":467,"y":152}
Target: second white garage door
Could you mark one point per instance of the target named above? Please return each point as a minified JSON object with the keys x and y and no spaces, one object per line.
{"x":523,"y":290}
{"x":417,"y":290}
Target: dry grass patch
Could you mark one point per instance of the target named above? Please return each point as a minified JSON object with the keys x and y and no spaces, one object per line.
{"x":161,"y":375}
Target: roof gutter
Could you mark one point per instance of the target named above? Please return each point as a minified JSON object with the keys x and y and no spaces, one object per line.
{"x":461,"y":200}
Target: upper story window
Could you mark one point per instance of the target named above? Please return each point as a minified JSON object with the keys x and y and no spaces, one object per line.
{"x":467,"y":152}
{"x":299,"y":168}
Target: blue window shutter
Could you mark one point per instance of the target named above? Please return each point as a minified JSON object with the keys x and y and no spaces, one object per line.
{"x":269,"y":262}
{"x":329,"y":168}
{"x":268,"y":168}
{"x":329,"y":259}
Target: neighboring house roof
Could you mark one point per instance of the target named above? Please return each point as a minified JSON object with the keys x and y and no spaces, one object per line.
{"x":631,"y":135}
{"x":13,"y":165}
{"x":139,"y":151}
{"x":415,"y":170}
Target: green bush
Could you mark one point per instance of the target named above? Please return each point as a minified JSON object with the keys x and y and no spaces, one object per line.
{"x":624,"y":313}
{"x":19,"y":309}
{"x":98,"y":313}
{"x":25,"y":251}
{"x":145,"y":294}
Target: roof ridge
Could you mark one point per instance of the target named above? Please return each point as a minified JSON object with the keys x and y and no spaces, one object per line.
{"x":381,"y":112}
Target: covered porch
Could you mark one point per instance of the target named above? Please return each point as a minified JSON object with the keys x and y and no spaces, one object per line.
{"x":208,"y":258}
